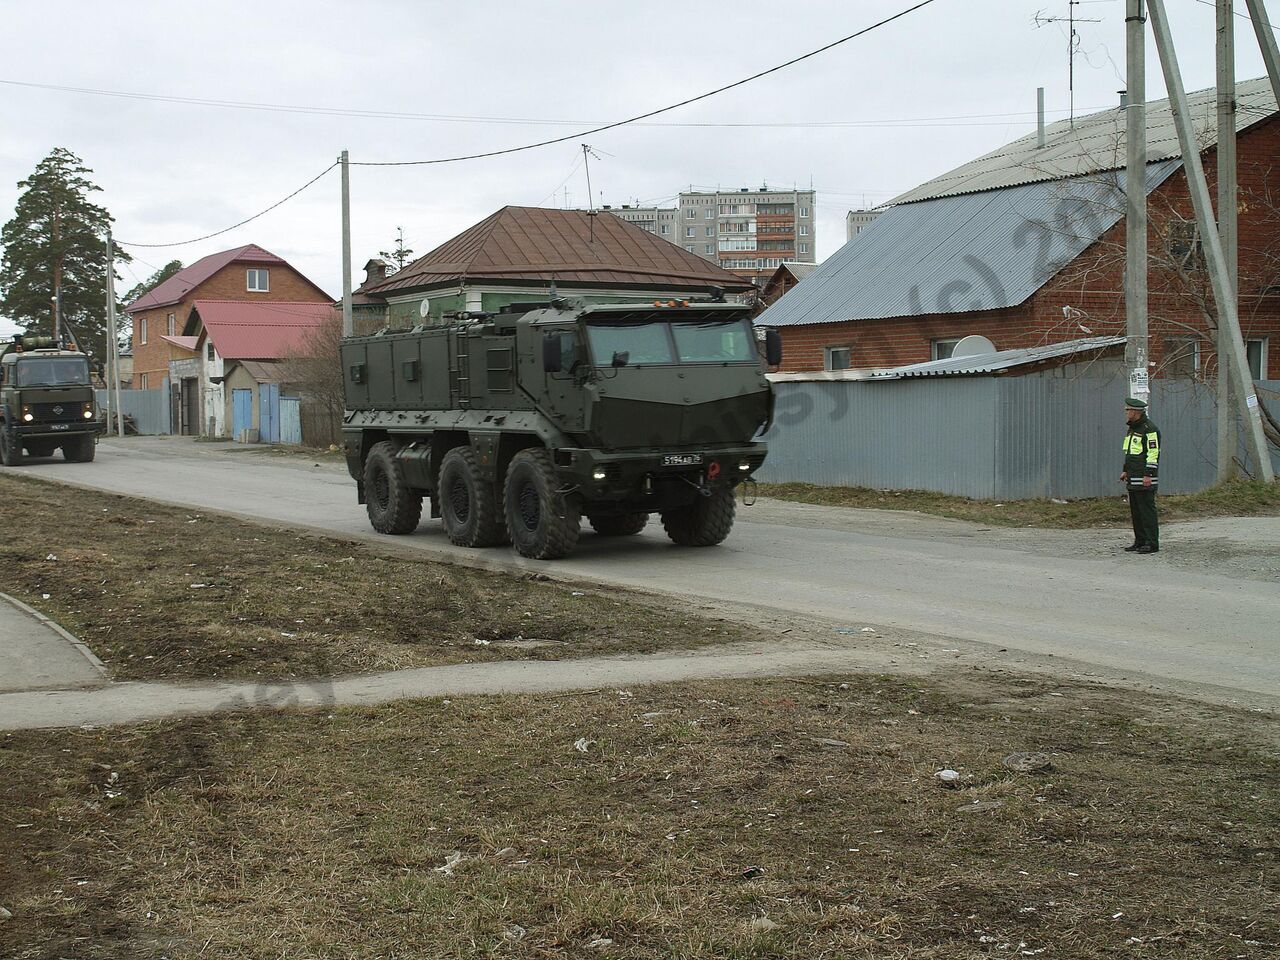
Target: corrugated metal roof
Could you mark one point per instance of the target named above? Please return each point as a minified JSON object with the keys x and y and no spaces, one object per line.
{"x":567,"y":246}
{"x":998,"y":361}
{"x":261,"y":330}
{"x":980,"y":251}
{"x":1094,"y":143}
{"x":186,"y":343}
{"x":188,"y":278}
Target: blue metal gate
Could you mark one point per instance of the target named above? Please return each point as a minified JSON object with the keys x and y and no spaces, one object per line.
{"x":290,"y":420}
{"x":241,"y":412}
{"x":269,"y":412}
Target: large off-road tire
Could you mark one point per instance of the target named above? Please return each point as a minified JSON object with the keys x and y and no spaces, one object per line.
{"x":704,"y":523}
{"x":468,"y":506}
{"x":392,"y":506}
{"x":11,"y":454}
{"x":79,"y":449}
{"x":618,"y":524}
{"x":543,"y":524}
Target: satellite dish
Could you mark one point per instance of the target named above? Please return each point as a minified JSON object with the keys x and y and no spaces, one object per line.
{"x":424,"y":309}
{"x":972,"y":346}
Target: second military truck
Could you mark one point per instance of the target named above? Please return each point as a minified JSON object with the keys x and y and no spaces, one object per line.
{"x":46,"y":402}
{"x":515,"y":425}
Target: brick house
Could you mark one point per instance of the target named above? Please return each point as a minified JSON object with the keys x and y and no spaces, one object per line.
{"x":1025,"y":246}
{"x":247,"y":274}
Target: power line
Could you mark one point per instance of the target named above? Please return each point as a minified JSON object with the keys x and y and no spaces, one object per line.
{"x":954,"y":120}
{"x":651,"y":113}
{"x":218,"y":233}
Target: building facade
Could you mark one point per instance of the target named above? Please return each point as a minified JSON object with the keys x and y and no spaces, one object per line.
{"x":856,"y":221}
{"x":749,"y":232}
{"x":660,"y":221}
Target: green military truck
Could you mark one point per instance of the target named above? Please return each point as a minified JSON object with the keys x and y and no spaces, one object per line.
{"x":46,"y":402}
{"x":515,"y":425}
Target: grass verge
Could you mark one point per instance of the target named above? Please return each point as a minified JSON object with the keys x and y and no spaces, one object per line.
{"x":164,"y":593}
{"x":1237,"y":499}
{"x":714,"y":820}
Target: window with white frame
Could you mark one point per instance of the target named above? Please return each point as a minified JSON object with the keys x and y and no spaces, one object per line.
{"x":804,"y":248}
{"x":209,"y":351}
{"x":690,"y":213}
{"x":943,"y":348}
{"x":710,"y":248}
{"x":804,"y":211}
{"x":257,"y":281}
{"x":142,"y":381}
{"x":664,"y":229}
{"x":804,"y":229}
{"x":688,"y":231}
{"x":1256,"y":351}
{"x":142,"y":330}
{"x":711,"y":231}
{"x":711,"y":213}
{"x":837,"y":358}
{"x":172,"y":324}
{"x":689,"y":247}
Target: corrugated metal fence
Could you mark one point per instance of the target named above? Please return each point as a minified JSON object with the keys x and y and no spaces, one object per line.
{"x":1002,"y":438}
{"x":149,"y":409}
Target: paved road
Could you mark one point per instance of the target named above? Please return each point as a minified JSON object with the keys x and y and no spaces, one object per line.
{"x":37,"y":654}
{"x":1050,"y":595}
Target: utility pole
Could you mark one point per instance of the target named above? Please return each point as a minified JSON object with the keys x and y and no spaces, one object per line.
{"x":1228,"y":231}
{"x":1267,"y":42}
{"x":113,"y":349}
{"x":1136,"y":349}
{"x":1223,"y":294}
{"x":348,"y":324}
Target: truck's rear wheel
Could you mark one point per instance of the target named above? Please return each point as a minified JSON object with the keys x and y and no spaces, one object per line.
{"x":543,"y":524}
{"x":704,"y":523}
{"x":10,"y":449}
{"x":468,"y":510}
{"x":618,"y":524}
{"x":79,"y":449}
{"x":392,"y":506}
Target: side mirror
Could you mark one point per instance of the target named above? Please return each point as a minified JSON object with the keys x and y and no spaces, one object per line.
{"x":621,"y":357}
{"x":773,"y":348}
{"x":552,"y":353}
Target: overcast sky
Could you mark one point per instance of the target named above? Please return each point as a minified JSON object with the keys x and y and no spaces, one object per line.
{"x":171,"y":171}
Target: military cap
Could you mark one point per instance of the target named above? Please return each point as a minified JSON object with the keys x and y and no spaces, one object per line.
{"x":1133,"y":403}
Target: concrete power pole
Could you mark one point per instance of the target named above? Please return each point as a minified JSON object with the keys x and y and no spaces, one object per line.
{"x":1227,"y":225}
{"x":113,"y":333}
{"x":1136,"y":351}
{"x":1223,"y":293}
{"x":348,"y":324}
{"x":1267,"y":41}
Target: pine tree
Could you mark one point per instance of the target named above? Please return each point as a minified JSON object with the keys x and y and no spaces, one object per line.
{"x":55,"y":247}
{"x":400,"y":255}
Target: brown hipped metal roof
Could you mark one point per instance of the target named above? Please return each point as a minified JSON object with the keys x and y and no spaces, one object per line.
{"x":537,"y":245}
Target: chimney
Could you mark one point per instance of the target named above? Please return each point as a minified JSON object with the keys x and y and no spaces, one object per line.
{"x":375,"y":271}
{"x":1040,"y":141}
{"x":1124,"y":99}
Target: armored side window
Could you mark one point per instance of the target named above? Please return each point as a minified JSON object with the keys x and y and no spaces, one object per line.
{"x":498,"y":367}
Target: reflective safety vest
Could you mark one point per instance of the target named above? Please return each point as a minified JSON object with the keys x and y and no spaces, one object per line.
{"x":1142,"y":453}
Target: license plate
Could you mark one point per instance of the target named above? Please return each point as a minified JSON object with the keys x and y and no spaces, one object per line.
{"x":682,"y":459}
{"x":59,"y":426}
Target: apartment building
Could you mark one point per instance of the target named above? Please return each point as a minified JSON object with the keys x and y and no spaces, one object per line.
{"x":749,"y":232}
{"x":660,"y":221}
{"x":856,"y":221}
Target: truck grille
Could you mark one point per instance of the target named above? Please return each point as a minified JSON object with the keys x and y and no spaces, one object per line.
{"x":57,"y":412}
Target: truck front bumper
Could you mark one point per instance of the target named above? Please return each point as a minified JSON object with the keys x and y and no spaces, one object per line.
{"x":68,"y":428}
{"x":606,"y":475}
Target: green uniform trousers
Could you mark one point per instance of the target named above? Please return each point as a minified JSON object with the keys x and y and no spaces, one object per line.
{"x":1146,"y":523}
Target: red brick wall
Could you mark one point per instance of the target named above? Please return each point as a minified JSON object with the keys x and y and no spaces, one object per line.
{"x":1093,"y":285}
{"x":229,"y":283}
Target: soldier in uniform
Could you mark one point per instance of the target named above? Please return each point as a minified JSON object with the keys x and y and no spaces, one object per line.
{"x":1141,"y":475}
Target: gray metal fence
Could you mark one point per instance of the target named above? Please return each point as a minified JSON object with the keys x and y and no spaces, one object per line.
{"x":985,"y":437}
{"x":149,"y":409}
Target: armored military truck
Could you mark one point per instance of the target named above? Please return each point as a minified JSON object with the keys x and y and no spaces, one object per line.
{"x":514,"y":425}
{"x":46,"y":402}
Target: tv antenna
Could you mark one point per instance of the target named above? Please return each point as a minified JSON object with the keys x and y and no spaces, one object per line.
{"x":1073,"y":44}
{"x":587,"y":154}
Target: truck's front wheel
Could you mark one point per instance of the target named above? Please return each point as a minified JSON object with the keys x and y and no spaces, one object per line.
{"x":704,"y":523}
{"x":544,"y":525}
{"x":393,"y":507}
{"x":10,"y":449}
{"x":79,"y":450}
{"x":471,"y":517}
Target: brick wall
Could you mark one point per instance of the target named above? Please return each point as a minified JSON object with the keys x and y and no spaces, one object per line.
{"x":229,"y":283}
{"x":1092,"y":285}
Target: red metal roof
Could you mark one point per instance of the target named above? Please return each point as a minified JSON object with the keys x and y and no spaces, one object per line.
{"x":260,"y":330}
{"x":567,"y":246}
{"x":187,"y":279}
{"x":186,"y":343}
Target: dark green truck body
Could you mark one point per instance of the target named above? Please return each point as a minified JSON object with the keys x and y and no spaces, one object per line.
{"x":46,"y":402}
{"x":628,"y":409}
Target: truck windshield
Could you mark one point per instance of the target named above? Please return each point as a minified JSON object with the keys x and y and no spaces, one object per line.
{"x":716,"y":341}
{"x":51,"y":372}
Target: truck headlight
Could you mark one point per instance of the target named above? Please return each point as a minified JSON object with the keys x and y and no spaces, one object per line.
{"x":598,"y":473}
{"x":744,"y":466}
{"x":88,"y":414}
{"x":28,"y":417}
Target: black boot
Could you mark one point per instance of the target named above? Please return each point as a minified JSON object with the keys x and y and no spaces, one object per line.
{"x":1132,"y":548}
